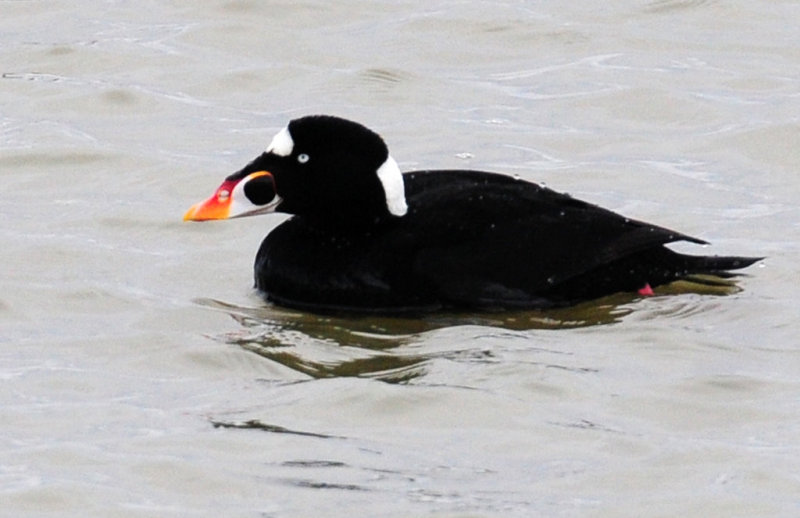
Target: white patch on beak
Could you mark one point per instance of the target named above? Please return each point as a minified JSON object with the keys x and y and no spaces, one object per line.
{"x":392,"y":180}
{"x":282,"y":143}
{"x":241,"y":204}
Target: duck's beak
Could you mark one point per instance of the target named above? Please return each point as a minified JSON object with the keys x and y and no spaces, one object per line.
{"x":247,"y":196}
{"x":218,"y":206}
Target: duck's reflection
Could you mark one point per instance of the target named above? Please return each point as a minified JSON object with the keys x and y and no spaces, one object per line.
{"x":391,"y":349}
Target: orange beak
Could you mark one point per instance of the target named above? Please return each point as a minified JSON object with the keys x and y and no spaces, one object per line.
{"x":218,"y":206}
{"x":232,"y":200}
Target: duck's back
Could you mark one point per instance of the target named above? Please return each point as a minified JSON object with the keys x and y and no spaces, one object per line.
{"x":469,"y":240}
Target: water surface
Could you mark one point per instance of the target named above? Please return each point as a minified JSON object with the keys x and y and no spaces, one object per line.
{"x":143,"y":377}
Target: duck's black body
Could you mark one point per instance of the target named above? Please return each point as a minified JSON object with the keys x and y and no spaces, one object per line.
{"x":472,"y":240}
{"x":467,"y":239}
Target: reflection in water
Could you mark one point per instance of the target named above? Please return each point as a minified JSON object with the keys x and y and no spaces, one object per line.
{"x":383,"y":347}
{"x":389,"y":348}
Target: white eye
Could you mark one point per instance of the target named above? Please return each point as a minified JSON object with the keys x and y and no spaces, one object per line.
{"x":302,"y":158}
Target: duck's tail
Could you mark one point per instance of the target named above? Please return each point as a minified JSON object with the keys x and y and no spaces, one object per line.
{"x":715,"y":265}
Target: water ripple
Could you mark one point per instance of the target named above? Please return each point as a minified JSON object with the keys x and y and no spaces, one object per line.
{"x":391,"y":349}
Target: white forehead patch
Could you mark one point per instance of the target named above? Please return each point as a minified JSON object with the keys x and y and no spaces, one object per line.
{"x":282,"y":143}
{"x":392,"y":180}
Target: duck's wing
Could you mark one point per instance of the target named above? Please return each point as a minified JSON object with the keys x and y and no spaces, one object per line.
{"x":499,"y":241}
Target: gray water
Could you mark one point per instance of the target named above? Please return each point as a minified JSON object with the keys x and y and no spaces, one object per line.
{"x":142,"y":376}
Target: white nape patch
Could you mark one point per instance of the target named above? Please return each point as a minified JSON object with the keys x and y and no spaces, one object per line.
{"x":282,"y":143}
{"x":392,"y":180}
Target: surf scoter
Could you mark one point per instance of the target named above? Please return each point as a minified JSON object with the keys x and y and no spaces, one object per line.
{"x":365,"y":237}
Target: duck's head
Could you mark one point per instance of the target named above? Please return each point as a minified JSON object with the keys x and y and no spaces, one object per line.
{"x":318,"y":166}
